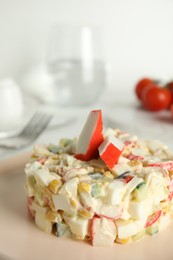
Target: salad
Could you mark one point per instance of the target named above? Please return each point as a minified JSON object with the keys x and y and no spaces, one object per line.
{"x":103,"y":187}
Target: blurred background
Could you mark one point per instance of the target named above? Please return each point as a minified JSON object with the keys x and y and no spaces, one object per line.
{"x":138,"y":35}
{"x":136,"y":41}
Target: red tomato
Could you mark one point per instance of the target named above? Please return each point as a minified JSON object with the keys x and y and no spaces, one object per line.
{"x":169,"y":85}
{"x":157,"y":98}
{"x":146,"y":89}
{"x":172,"y":110}
{"x":141,"y":85}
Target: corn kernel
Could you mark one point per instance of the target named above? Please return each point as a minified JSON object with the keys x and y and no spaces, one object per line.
{"x":171,"y":173}
{"x":108,"y":174}
{"x":101,"y":170}
{"x":123,"y":241}
{"x":53,"y":216}
{"x":54,"y":186}
{"x":84,"y":187}
{"x":135,"y":165}
{"x":125,"y":151}
{"x":85,"y":214}
{"x":166,"y":209}
{"x":73,"y":203}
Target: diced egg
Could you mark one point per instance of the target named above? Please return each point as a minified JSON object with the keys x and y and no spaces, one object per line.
{"x":30,"y":182}
{"x":78,"y":226}
{"x":43,"y":176}
{"x":138,"y":210}
{"x":120,"y":168}
{"x":87,"y":200}
{"x":63,"y":203}
{"x":154,"y":145}
{"x":109,"y":211}
{"x":129,"y":228}
{"x":114,"y":192}
{"x":42,"y":222}
{"x":39,"y":209}
{"x":103,"y":232}
{"x":70,"y":187}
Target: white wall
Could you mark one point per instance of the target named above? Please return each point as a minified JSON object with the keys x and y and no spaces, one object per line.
{"x":138,"y":34}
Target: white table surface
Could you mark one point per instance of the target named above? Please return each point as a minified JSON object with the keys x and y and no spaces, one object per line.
{"x":120,"y":110}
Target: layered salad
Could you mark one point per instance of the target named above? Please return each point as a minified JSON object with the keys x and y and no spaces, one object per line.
{"x":104,"y":187}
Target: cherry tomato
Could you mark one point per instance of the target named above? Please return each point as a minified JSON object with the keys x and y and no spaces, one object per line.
{"x":141,"y":85}
{"x":169,"y":86}
{"x":157,"y":98}
{"x":146,"y":89}
{"x":171,"y":110}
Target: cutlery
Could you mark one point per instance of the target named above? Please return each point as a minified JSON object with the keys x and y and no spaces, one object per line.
{"x":29,"y":133}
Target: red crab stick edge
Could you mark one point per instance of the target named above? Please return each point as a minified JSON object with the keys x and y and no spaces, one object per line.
{"x":110,"y":150}
{"x":91,"y":137}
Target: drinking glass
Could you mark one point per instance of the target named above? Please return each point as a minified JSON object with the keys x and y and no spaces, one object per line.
{"x":75,"y":60}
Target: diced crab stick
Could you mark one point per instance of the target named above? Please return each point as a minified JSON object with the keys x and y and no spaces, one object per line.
{"x":91,"y":137}
{"x":153,"y":218}
{"x":172,"y":110}
{"x":30,"y":209}
{"x":129,"y":143}
{"x":127,"y":178}
{"x":134,"y":157}
{"x":165,"y":165}
{"x":110,"y":212}
{"x":110,"y":150}
{"x":170,"y":196}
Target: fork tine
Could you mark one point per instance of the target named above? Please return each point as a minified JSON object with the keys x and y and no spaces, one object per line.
{"x":32,"y":130}
{"x":41,"y":125}
{"x":33,"y":123}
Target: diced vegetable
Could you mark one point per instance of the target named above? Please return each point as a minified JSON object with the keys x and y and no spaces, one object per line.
{"x":123,"y":241}
{"x":140,"y":192}
{"x":97,"y":190}
{"x":63,"y":230}
{"x":54,"y":186}
{"x":78,"y":226}
{"x":153,"y":229}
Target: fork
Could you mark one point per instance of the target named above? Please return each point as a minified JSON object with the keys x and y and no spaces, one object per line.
{"x":29,"y":133}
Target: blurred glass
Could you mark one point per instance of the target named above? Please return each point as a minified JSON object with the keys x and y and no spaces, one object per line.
{"x":75,"y":60}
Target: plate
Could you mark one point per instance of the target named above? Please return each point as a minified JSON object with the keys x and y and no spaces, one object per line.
{"x":20,"y":239}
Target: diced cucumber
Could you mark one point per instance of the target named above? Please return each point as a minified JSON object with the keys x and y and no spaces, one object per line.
{"x":63,"y":230}
{"x":54,"y":149}
{"x":153,"y":229}
{"x":96,"y":175}
{"x":65,"y":142}
{"x":96,"y":190}
{"x":140,"y":192}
